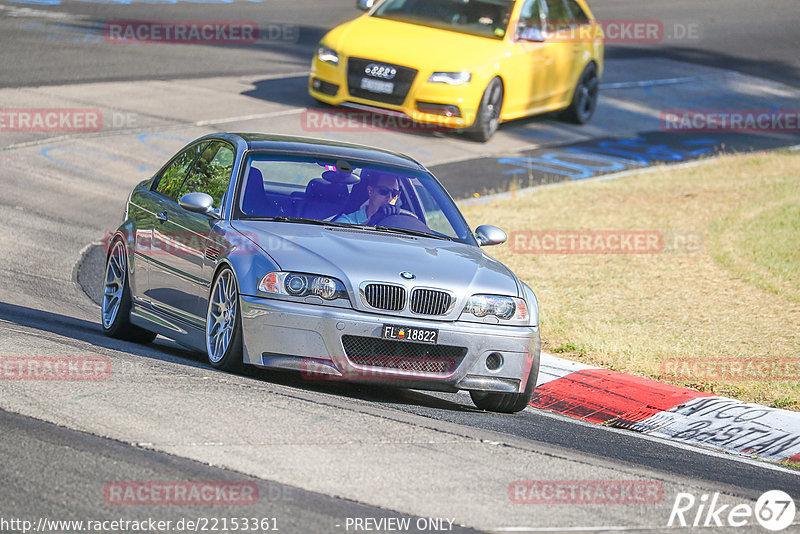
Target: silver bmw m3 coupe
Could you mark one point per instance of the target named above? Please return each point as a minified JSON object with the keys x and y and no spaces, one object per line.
{"x":338,"y":261}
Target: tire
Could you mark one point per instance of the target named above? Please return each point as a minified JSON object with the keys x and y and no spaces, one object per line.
{"x":508,"y":402}
{"x":487,"y":120}
{"x":115,"y":310}
{"x":584,"y":99}
{"x":224,"y":323}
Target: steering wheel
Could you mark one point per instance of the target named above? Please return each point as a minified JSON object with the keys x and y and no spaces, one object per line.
{"x":380,"y":216}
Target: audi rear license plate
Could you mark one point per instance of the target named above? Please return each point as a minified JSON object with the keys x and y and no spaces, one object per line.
{"x":407,"y":333}
{"x":377,"y":86}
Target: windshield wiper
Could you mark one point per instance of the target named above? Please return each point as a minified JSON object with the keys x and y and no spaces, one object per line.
{"x":419,"y":233}
{"x":303,"y":220}
{"x":306,"y":220}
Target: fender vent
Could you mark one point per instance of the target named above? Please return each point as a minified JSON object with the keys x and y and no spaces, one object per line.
{"x":212,"y":254}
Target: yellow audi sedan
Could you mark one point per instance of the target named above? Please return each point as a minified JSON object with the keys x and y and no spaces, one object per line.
{"x":464,"y":64}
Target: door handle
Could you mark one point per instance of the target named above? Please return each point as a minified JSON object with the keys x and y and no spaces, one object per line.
{"x":162,"y":216}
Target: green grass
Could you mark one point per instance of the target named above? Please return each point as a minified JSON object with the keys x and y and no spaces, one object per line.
{"x":734,"y":293}
{"x":764,"y":245}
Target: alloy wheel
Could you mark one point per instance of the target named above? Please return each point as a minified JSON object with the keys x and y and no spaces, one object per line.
{"x":114,"y":284}
{"x":587,"y":97}
{"x":221,"y":320}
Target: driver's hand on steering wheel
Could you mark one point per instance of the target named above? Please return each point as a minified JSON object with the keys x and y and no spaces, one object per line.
{"x":387,"y":210}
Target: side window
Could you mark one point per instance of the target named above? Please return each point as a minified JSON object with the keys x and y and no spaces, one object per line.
{"x":578,"y":14}
{"x":211,"y":173}
{"x":531,"y":16}
{"x":434,"y":216}
{"x":170,"y":181}
{"x":557,"y":15}
{"x":531,"y":22}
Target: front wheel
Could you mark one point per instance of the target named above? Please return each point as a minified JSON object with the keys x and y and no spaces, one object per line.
{"x":116,"y":306}
{"x":584,"y":100}
{"x":224,"y":324}
{"x":487,"y":120}
{"x":508,"y":402}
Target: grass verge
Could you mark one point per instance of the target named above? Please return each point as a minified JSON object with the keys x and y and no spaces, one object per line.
{"x":713,"y":305}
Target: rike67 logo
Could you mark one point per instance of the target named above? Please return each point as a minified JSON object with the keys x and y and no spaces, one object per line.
{"x":774,"y":510}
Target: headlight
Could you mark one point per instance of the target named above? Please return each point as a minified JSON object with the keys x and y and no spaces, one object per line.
{"x":328,"y":55}
{"x":508,"y":308}
{"x":452,"y":78}
{"x":302,"y":285}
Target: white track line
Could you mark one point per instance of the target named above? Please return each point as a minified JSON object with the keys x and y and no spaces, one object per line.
{"x":669,"y":81}
{"x":293,"y":111}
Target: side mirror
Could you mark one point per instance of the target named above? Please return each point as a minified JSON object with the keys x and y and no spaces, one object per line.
{"x":201,"y":203}
{"x":490,"y":235}
{"x":531,"y":34}
{"x":365,"y":5}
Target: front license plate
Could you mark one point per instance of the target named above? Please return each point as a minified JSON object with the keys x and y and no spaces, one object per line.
{"x":377,"y":86}
{"x":406,"y":333}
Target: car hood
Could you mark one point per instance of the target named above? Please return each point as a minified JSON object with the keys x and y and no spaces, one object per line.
{"x":355,"y":256}
{"x":412,"y":45}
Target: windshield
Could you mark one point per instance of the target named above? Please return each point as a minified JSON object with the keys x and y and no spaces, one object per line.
{"x":348,"y":193}
{"x":485,"y":18}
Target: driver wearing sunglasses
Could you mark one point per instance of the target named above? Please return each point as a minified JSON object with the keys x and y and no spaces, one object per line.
{"x":382,"y":199}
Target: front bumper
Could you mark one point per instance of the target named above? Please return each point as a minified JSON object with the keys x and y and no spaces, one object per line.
{"x":309,"y":338}
{"x":328,"y":83}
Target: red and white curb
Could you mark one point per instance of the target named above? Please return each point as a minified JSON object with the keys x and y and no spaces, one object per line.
{"x":624,"y":401}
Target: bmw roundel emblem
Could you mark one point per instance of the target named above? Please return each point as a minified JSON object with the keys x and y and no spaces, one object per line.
{"x":407,"y":275}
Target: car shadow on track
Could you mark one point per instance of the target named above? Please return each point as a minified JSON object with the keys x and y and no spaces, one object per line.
{"x":90,"y":332}
{"x":379,"y":394}
{"x":286,"y":91}
{"x":323,"y":119}
{"x":166,"y":350}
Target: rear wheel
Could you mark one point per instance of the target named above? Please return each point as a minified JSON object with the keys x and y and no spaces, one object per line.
{"x":584,"y":100}
{"x":508,"y":402}
{"x":224,"y":323}
{"x":487,"y":119}
{"x":116,"y":306}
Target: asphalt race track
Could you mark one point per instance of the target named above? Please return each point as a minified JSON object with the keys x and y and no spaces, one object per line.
{"x":320,"y":454}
